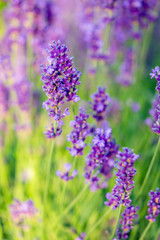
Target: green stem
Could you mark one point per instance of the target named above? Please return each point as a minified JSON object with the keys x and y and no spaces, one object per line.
{"x":149,"y":169}
{"x":66,"y":210}
{"x":145,"y":231}
{"x":119,"y":213}
{"x":74,"y":201}
{"x":48,"y":179}
{"x":97,"y":223}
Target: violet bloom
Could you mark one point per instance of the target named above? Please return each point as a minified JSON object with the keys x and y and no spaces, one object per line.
{"x":53,"y":132}
{"x":126,"y":222}
{"x":124,"y":182}
{"x":21,"y":212}
{"x":81,"y":237}
{"x":65,"y":175}
{"x":99,"y":104}
{"x":79,"y":133}
{"x":100,"y":160}
{"x":154,"y":205}
{"x":156,"y":108}
{"x":60,"y":80}
{"x":155,"y":73}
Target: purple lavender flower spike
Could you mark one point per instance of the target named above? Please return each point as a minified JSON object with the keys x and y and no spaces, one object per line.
{"x":60,"y":80}
{"x":100,"y":160}
{"x":65,"y":175}
{"x":79,"y":133}
{"x":154,"y":205}
{"x":21,"y":211}
{"x":81,"y":237}
{"x":124,"y":182}
{"x":127,"y":222}
{"x":99,"y":104}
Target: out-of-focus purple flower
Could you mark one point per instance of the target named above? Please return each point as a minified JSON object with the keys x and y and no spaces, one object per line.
{"x":99,"y":104}
{"x":100,"y":160}
{"x":127,"y":222}
{"x":126,"y":70}
{"x":81,"y":237}
{"x":21,"y":212}
{"x":124,"y":182}
{"x":135,"y":106}
{"x":154,"y":205}
{"x":113,"y":109}
{"x":156,"y":104}
{"x":79,"y":133}
{"x":65,"y":175}
{"x":4,"y":98}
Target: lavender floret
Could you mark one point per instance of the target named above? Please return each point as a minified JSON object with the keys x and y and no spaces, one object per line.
{"x":156,"y":107}
{"x":100,"y":160}
{"x":65,"y":175}
{"x":60,"y":80}
{"x":99,"y":104}
{"x":79,"y":133}
{"x":154,"y":205}
{"x":126,"y":222}
{"x":124,"y":182}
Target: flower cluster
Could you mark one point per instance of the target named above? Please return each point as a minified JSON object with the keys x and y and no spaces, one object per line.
{"x":60,"y":79}
{"x":79,"y":133}
{"x":21,"y":212}
{"x":156,"y":107}
{"x":53,"y":132}
{"x":101,"y":158}
{"x":65,"y":176}
{"x":124,"y":182}
{"x":81,"y":237}
{"x":127,"y":222}
{"x":154,"y":205}
{"x":99,"y":104}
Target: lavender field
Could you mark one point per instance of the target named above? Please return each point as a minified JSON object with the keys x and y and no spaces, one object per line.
{"x":79,"y":119}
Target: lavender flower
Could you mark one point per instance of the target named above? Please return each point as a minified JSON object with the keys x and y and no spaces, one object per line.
{"x":155,"y":73}
{"x":156,"y":107}
{"x":127,"y":222}
{"x":21,"y":212}
{"x":100,"y":160}
{"x":99,"y":104}
{"x":65,"y":176}
{"x":124,"y":182}
{"x":81,"y":237}
{"x":60,"y":79}
{"x":79,"y":133}
{"x":53,"y":132}
{"x":154,"y":205}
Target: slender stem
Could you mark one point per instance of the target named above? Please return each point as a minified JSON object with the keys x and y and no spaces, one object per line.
{"x":66,"y":210}
{"x":48,"y":178}
{"x":145,"y":231}
{"x":149,"y":169}
{"x":74,"y":201}
{"x":62,"y":200}
{"x":119,"y":213}
{"x":97,"y":223}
